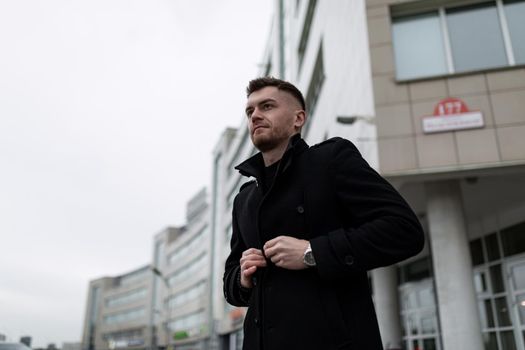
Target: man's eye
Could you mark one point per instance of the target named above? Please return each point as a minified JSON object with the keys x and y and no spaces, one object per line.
{"x":267,"y":106}
{"x":249,"y":113}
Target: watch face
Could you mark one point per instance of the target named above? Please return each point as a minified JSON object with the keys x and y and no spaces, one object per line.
{"x":309,"y":259}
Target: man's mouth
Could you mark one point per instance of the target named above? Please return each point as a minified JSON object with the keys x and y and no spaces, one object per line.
{"x":257,"y":128}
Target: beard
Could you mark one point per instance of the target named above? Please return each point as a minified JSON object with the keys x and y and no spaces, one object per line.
{"x":269,"y":139}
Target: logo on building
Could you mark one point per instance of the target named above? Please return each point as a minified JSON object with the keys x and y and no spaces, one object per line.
{"x":452,"y":114}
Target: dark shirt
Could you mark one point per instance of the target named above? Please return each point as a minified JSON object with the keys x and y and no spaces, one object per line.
{"x":269,"y":176}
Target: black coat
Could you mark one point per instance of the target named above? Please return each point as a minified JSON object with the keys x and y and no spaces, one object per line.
{"x":355,"y":221}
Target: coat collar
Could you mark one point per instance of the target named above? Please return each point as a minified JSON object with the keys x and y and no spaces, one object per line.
{"x":254,"y":166}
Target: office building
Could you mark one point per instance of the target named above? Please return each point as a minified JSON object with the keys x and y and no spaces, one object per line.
{"x":118,"y":312}
{"x":432,"y":92}
{"x":184,"y":264}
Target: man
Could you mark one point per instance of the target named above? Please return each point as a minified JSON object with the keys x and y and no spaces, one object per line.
{"x":306,"y":232}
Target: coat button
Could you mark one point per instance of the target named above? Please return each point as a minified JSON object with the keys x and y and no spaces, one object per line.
{"x":300,"y":209}
{"x":349,"y":260}
{"x":256,"y":320}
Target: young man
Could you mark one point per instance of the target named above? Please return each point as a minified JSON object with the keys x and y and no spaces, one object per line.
{"x":306,"y":232}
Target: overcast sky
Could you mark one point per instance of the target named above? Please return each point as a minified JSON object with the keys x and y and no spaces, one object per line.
{"x":109,"y":111}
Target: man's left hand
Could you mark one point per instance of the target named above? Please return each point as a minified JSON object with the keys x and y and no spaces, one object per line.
{"x":286,"y":252}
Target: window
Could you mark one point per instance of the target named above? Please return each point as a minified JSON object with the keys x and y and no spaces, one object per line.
{"x":476,"y":38}
{"x":418,"y":46}
{"x":134,"y":277}
{"x":303,"y":42}
{"x":188,"y":270}
{"x":515,"y":14}
{"x":187,"y":295}
{"x":449,"y":40}
{"x":316,"y":84}
{"x":127,"y":297}
{"x":513,"y":239}
{"x":419,"y":321}
{"x":125,"y":316}
{"x":491,"y":282}
{"x":188,"y":321}
{"x":192,"y":245}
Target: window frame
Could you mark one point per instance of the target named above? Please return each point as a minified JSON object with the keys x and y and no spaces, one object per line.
{"x":441,"y":6}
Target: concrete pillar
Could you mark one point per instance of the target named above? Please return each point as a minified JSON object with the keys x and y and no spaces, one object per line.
{"x":458,"y":311}
{"x":386,"y":300}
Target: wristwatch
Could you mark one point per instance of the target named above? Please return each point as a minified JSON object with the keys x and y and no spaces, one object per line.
{"x":308,"y":257}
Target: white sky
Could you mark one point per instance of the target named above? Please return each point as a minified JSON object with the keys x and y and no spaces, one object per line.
{"x":109,"y":111}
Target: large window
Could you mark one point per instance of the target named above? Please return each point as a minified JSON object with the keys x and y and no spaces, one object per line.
{"x":499,"y":281}
{"x":419,"y":322}
{"x":450,"y":40}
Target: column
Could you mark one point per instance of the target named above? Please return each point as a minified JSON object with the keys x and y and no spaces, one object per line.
{"x":386,"y":300}
{"x":458,"y":312}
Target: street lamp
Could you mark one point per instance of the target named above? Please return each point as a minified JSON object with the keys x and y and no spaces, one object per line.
{"x":351,"y":119}
{"x":159,"y":273}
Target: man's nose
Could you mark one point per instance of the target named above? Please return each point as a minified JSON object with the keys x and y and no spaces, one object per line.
{"x":256,"y":115}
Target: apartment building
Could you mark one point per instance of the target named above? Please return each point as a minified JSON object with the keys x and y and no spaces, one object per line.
{"x":432,"y":92}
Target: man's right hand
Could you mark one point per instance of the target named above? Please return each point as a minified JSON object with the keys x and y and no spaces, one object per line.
{"x":251,"y":259}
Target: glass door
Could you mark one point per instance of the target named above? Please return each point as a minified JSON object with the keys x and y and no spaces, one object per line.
{"x":516,"y":275}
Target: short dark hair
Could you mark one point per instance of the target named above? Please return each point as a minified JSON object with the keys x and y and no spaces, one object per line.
{"x":262,"y":82}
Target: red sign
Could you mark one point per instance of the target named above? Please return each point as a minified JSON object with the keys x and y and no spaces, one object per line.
{"x":452,"y":114}
{"x":450,"y":106}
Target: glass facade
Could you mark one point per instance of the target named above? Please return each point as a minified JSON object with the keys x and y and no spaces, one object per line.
{"x":499,"y":281}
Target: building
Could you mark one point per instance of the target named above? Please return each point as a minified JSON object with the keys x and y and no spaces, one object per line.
{"x":449,"y":89}
{"x":432,"y":92}
{"x":183,"y":260}
{"x":118,"y":312}
{"x":164,"y":304}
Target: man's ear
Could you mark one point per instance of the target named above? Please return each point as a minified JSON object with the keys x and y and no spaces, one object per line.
{"x":300,"y":118}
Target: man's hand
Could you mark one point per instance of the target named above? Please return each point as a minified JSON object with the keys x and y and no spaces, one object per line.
{"x":286,"y":252}
{"x":251,"y":259}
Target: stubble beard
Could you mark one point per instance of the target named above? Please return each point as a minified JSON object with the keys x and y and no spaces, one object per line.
{"x":265,"y":143}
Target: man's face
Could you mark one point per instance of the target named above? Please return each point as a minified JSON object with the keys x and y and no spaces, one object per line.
{"x":273,"y":117}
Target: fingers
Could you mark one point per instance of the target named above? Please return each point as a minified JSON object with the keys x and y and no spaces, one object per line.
{"x":250,"y":260}
{"x":270,"y":247}
{"x":252,"y":251}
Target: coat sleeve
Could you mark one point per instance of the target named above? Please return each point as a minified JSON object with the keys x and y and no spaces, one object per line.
{"x":383,"y":231}
{"x":234,"y":293}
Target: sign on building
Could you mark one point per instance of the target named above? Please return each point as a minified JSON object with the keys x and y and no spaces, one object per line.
{"x":452,"y":114}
